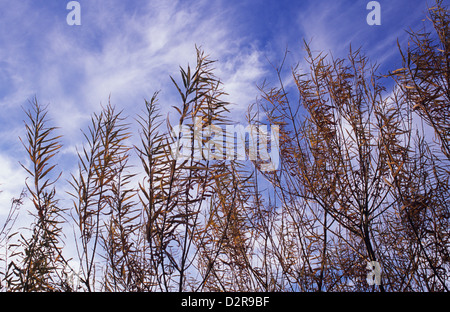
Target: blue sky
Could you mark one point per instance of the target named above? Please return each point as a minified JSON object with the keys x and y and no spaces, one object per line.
{"x":128,"y":49}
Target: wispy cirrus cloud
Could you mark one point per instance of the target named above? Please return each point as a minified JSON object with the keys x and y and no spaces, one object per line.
{"x":121,"y":50}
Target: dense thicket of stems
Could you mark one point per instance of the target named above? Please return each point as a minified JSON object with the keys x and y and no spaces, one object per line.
{"x":363,"y":178}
